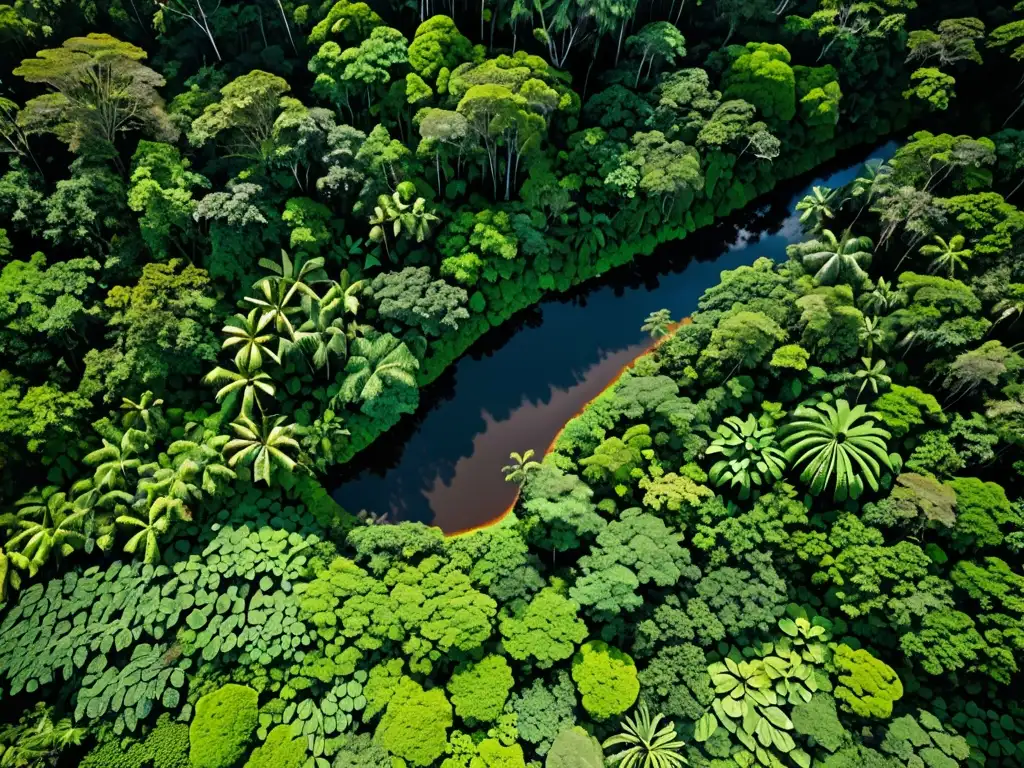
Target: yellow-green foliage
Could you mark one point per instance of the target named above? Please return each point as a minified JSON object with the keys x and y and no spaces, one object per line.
{"x":867,"y":686}
{"x":790,"y":356}
{"x":415,"y":725}
{"x":762,"y":75}
{"x":281,"y":750}
{"x":606,"y":679}
{"x":479,"y":690}
{"x":224,"y":722}
{"x":493,"y":754}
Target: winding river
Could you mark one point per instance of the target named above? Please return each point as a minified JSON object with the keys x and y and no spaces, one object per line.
{"x":520,"y":383}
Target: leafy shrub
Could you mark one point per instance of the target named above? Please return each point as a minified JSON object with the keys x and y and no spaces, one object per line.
{"x":479,"y":689}
{"x":606,"y":679}
{"x":166,"y":746}
{"x":415,"y":725}
{"x":222,"y":727}
{"x":281,"y":750}
{"x":867,"y":686}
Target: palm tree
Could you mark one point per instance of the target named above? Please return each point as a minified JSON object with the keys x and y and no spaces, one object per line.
{"x":657,"y":323}
{"x":872,"y":374}
{"x":47,"y":521}
{"x":8,"y":575}
{"x":521,"y":467}
{"x":155,"y":522}
{"x":251,"y":382}
{"x":1011,"y":305}
{"x":275,"y":305}
{"x":839,"y":444}
{"x":264,"y":446}
{"x":816,"y":207}
{"x":147,"y":410}
{"x":872,"y":182}
{"x":323,"y":333}
{"x":297,"y":276}
{"x":37,"y":740}
{"x":413,"y":219}
{"x":882,"y":298}
{"x":202,"y":462}
{"x":416,"y":220}
{"x":372,"y":365}
{"x":750,"y":456}
{"x":835,"y":260}
{"x":168,"y":489}
{"x":647,"y":744}
{"x":113,"y":462}
{"x":870,"y":334}
{"x":387,"y":211}
{"x":947,"y":257}
{"x":349,"y":291}
{"x":247,"y":333}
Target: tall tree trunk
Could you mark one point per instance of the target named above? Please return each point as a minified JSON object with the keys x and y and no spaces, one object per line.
{"x":639,"y":70}
{"x":287,"y":26}
{"x":732,"y":31}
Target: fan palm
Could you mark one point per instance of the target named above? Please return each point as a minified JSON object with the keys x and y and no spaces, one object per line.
{"x":750,"y":454}
{"x":816,"y":207}
{"x":872,"y":375}
{"x":521,"y":467}
{"x":113,"y":462}
{"x":45,"y":522}
{"x":372,"y":365}
{"x":247,"y":332}
{"x":250,"y":381}
{"x":147,"y":411}
{"x":657,"y":323}
{"x":648,"y":743}
{"x":947,"y":256}
{"x":839,"y":445}
{"x":834,"y":260}
{"x":264,"y":446}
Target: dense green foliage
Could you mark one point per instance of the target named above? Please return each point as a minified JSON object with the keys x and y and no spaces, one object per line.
{"x":237,"y":239}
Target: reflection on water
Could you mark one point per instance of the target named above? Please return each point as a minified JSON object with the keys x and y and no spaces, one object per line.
{"x":522,"y":382}
{"x":530,"y":424}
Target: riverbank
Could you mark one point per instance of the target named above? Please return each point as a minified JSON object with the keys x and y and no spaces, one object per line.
{"x":513,"y":392}
{"x":655,"y":343}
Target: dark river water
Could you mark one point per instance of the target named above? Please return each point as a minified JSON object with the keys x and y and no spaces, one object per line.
{"x":520,"y":383}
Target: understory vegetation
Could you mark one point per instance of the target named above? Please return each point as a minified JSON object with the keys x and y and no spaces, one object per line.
{"x":238,"y":238}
